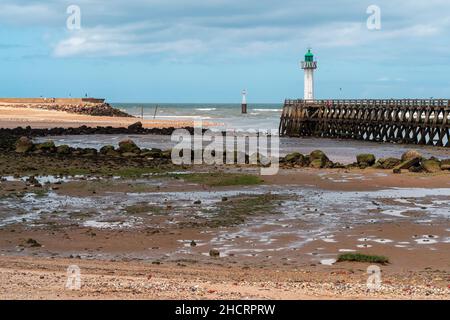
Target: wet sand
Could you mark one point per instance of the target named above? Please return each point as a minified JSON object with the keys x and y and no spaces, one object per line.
{"x":11,"y":117}
{"x":137,"y":241}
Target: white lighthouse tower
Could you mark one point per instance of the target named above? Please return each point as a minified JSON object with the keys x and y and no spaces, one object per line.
{"x":244,"y":101}
{"x":309,"y":65}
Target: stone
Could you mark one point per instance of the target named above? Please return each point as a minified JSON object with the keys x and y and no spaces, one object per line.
{"x":106,"y":149}
{"x":89,"y":152}
{"x":197,"y":202}
{"x":24,"y":145}
{"x":445,"y":164}
{"x":214,"y":253}
{"x":48,"y":146}
{"x":317,"y":164}
{"x":365,"y":159}
{"x":63,"y":149}
{"x":387,"y":163}
{"x":411,"y":154}
{"x":129,"y":154}
{"x":292,"y":157}
{"x":407,"y":164}
{"x":318,"y":154}
{"x":33,"y":243}
{"x":128,"y":146}
{"x":431,"y":165}
{"x":135,"y":127}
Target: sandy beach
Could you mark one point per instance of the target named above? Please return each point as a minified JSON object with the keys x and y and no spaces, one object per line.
{"x":12,"y":117}
{"x":139,"y":227}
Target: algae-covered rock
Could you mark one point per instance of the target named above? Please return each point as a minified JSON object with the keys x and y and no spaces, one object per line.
{"x":431,"y":165}
{"x":318,"y":154}
{"x":317,"y":164}
{"x":48,"y":146}
{"x":365,"y":159}
{"x":319,"y":157}
{"x":89,"y":152}
{"x":128,"y":146}
{"x":387,"y":163}
{"x":411,"y":154}
{"x":106,"y":149}
{"x":414,"y":162}
{"x":292,"y":157}
{"x":63,"y":149}
{"x":24,"y":145}
{"x":129,"y":154}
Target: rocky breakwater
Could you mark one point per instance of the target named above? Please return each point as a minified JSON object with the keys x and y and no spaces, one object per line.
{"x":135,"y":128}
{"x":127,"y":149}
{"x":411,"y":160}
{"x":86,"y":108}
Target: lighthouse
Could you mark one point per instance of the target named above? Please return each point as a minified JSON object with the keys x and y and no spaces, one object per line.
{"x":244,"y":101}
{"x":309,"y":65}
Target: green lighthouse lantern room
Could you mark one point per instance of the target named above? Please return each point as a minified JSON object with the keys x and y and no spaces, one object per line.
{"x":309,"y":57}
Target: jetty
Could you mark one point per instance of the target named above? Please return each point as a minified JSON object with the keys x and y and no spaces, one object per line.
{"x":411,"y":121}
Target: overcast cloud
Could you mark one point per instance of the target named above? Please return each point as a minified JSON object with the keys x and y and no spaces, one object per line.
{"x":231,"y":31}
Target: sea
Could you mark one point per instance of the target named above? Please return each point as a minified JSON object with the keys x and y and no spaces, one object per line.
{"x":262,"y":116}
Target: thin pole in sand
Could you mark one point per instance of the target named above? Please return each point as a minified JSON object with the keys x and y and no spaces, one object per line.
{"x":156,"y":109}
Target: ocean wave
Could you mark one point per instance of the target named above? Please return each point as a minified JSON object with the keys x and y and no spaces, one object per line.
{"x":267,"y":110}
{"x":206,"y":109}
{"x":182,"y":117}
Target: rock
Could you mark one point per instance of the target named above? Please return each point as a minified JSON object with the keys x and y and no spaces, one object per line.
{"x":318,"y":157}
{"x":387,"y":163}
{"x":431,"y":165}
{"x":106,"y":149}
{"x":293,"y":157}
{"x":224,"y":199}
{"x":197,"y":202}
{"x":63,"y":149}
{"x":89,"y":152}
{"x":365,"y":160}
{"x":152,"y":154}
{"x":128,"y":146}
{"x":48,"y":146}
{"x":214,"y":253}
{"x":167,"y":154}
{"x":318,"y":154}
{"x":193,"y":243}
{"x":33,"y":243}
{"x":317,"y":164}
{"x":129,"y":154}
{"x":24,"y":145}
{"x":33,"y":181}
{"x":411,"y":154}
{"x":135,"y":127}
{"x":407,"y":164}
{"x":445,"y":164}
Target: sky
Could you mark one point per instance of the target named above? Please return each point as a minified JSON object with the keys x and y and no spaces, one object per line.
{"x":208,"y":51}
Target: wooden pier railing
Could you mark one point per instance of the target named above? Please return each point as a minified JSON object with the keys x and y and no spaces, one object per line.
{"x":425,"y":122}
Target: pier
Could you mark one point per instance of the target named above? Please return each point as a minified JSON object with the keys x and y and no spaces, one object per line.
{"x":411,"y":121}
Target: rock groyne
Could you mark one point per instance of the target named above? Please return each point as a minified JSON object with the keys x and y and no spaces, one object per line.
{"x":87,"y":106}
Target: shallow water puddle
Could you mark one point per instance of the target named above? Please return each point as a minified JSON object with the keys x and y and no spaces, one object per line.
{"x":303,"y":216}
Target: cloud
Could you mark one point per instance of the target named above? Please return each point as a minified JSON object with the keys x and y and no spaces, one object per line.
{"x":231,"y":28}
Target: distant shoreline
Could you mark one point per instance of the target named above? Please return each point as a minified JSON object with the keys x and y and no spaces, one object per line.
{"x":13,"y":117}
